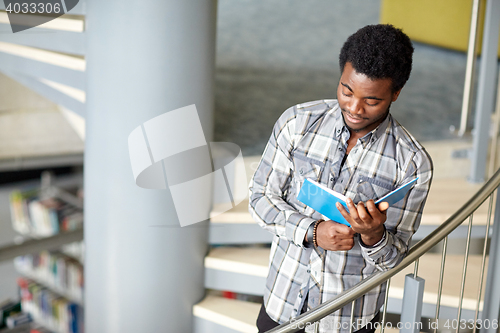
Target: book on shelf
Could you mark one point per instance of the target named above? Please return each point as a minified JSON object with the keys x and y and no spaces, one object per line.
{"x":18,"y":319}
{"x":57,"y":271}
{"x":49,"y":309}
{"x":323,"y":199}
{"x":34,"y":216}
{"x":8,"y":308}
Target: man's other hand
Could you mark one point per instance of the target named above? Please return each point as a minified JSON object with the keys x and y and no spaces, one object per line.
{"x":333,"y":236}
{"x":367,"y":221}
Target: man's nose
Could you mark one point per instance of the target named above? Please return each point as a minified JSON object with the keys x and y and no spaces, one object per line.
{"x":354,"y":107}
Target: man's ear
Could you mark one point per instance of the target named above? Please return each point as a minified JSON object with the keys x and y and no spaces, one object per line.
{"x":395,"y":95}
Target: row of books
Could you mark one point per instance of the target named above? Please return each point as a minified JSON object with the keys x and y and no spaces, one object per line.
{"x":49,"y":309}
{"x":57,"y":271}
{"x":35,"y":217}
{"x":12,"y":316}
{"x":9,"y":310}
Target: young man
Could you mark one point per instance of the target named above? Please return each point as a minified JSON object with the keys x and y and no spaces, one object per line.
{"x":354,"y":146}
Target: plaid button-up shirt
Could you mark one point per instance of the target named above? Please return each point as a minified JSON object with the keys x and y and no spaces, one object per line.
{"x":309,"y":141}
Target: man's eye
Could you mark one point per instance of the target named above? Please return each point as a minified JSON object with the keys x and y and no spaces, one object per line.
{"x":347,"y":95}
{"x":371,"y":104}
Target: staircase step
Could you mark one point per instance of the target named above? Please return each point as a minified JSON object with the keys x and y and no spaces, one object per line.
{"x":70,"y":75}
{"x":66,"y":96}
{"x":60,"y":41}
{"x":447,"y":196}
{"x":242,"y":270}
{"x":236,"y":226}
{"x":239,"y":214}
{"x":24,"y":144}
{"x":222,"y":315}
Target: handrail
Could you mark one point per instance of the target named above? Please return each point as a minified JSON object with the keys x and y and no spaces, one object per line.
{"x":380,"y":277}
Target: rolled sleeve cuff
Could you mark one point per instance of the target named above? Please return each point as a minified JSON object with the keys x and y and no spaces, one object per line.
{"x":377,"y":251}
{"x":299,"y":230}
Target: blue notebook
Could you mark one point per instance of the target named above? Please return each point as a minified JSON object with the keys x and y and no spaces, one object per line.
{"x":323,"y":200}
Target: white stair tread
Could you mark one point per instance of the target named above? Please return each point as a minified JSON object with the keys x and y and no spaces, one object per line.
{"x":235,"y":314}
{"x":447,"y":196}
{"x":254,"y":261}
{"x":238,"y":214}
{"x":76,"y":63}
{"x":247,"y":260}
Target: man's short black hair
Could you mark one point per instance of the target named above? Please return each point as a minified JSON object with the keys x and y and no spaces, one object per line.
{"x":379,"y":51}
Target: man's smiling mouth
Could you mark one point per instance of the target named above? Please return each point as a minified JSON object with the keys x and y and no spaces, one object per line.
{"x":353,"y":118}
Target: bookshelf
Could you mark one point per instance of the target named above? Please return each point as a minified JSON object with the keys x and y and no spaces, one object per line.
{"x":55,"y":271}
{"x":49,"y":309}
{"x":47,"y":210}
{"x":50,"y":257}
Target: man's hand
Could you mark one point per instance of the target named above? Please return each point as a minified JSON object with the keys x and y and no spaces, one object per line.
{"x":333,"y":236}
{"x":367,"y":222}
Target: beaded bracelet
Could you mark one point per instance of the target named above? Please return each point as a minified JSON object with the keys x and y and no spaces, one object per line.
{"x":315,"y":238}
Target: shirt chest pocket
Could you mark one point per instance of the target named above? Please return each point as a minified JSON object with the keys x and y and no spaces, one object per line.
{"x":372,"y":188}
{"x":305,"y":167}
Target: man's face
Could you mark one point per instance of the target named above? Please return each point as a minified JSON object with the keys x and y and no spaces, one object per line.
{"x":364,"y":102}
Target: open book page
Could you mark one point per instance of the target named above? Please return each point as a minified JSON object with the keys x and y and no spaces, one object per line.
{"x":322,"y":199}
{"x":329,"y":190}
{"x":398,"y":194}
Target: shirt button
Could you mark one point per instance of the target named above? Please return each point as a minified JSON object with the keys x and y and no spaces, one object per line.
{"x":295,"y":310}
{"x":331,"y":179}
{"x":340,"y":148}
{"x":308,"y":271}
{"x":301,"y":171}
{"x":300,"y":295}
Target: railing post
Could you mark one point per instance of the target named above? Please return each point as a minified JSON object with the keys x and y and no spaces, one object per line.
{"x":470,"y":68}
{"x":491,"y":306}
{"x":411,"y":311}
{"x":485,"y":101}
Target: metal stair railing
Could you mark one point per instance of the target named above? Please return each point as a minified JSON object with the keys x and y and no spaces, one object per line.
{"x":440,"y":234}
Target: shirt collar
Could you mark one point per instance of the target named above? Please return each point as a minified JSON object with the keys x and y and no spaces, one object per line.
{"x":372,"y":135}
{"x":377,"y":132}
